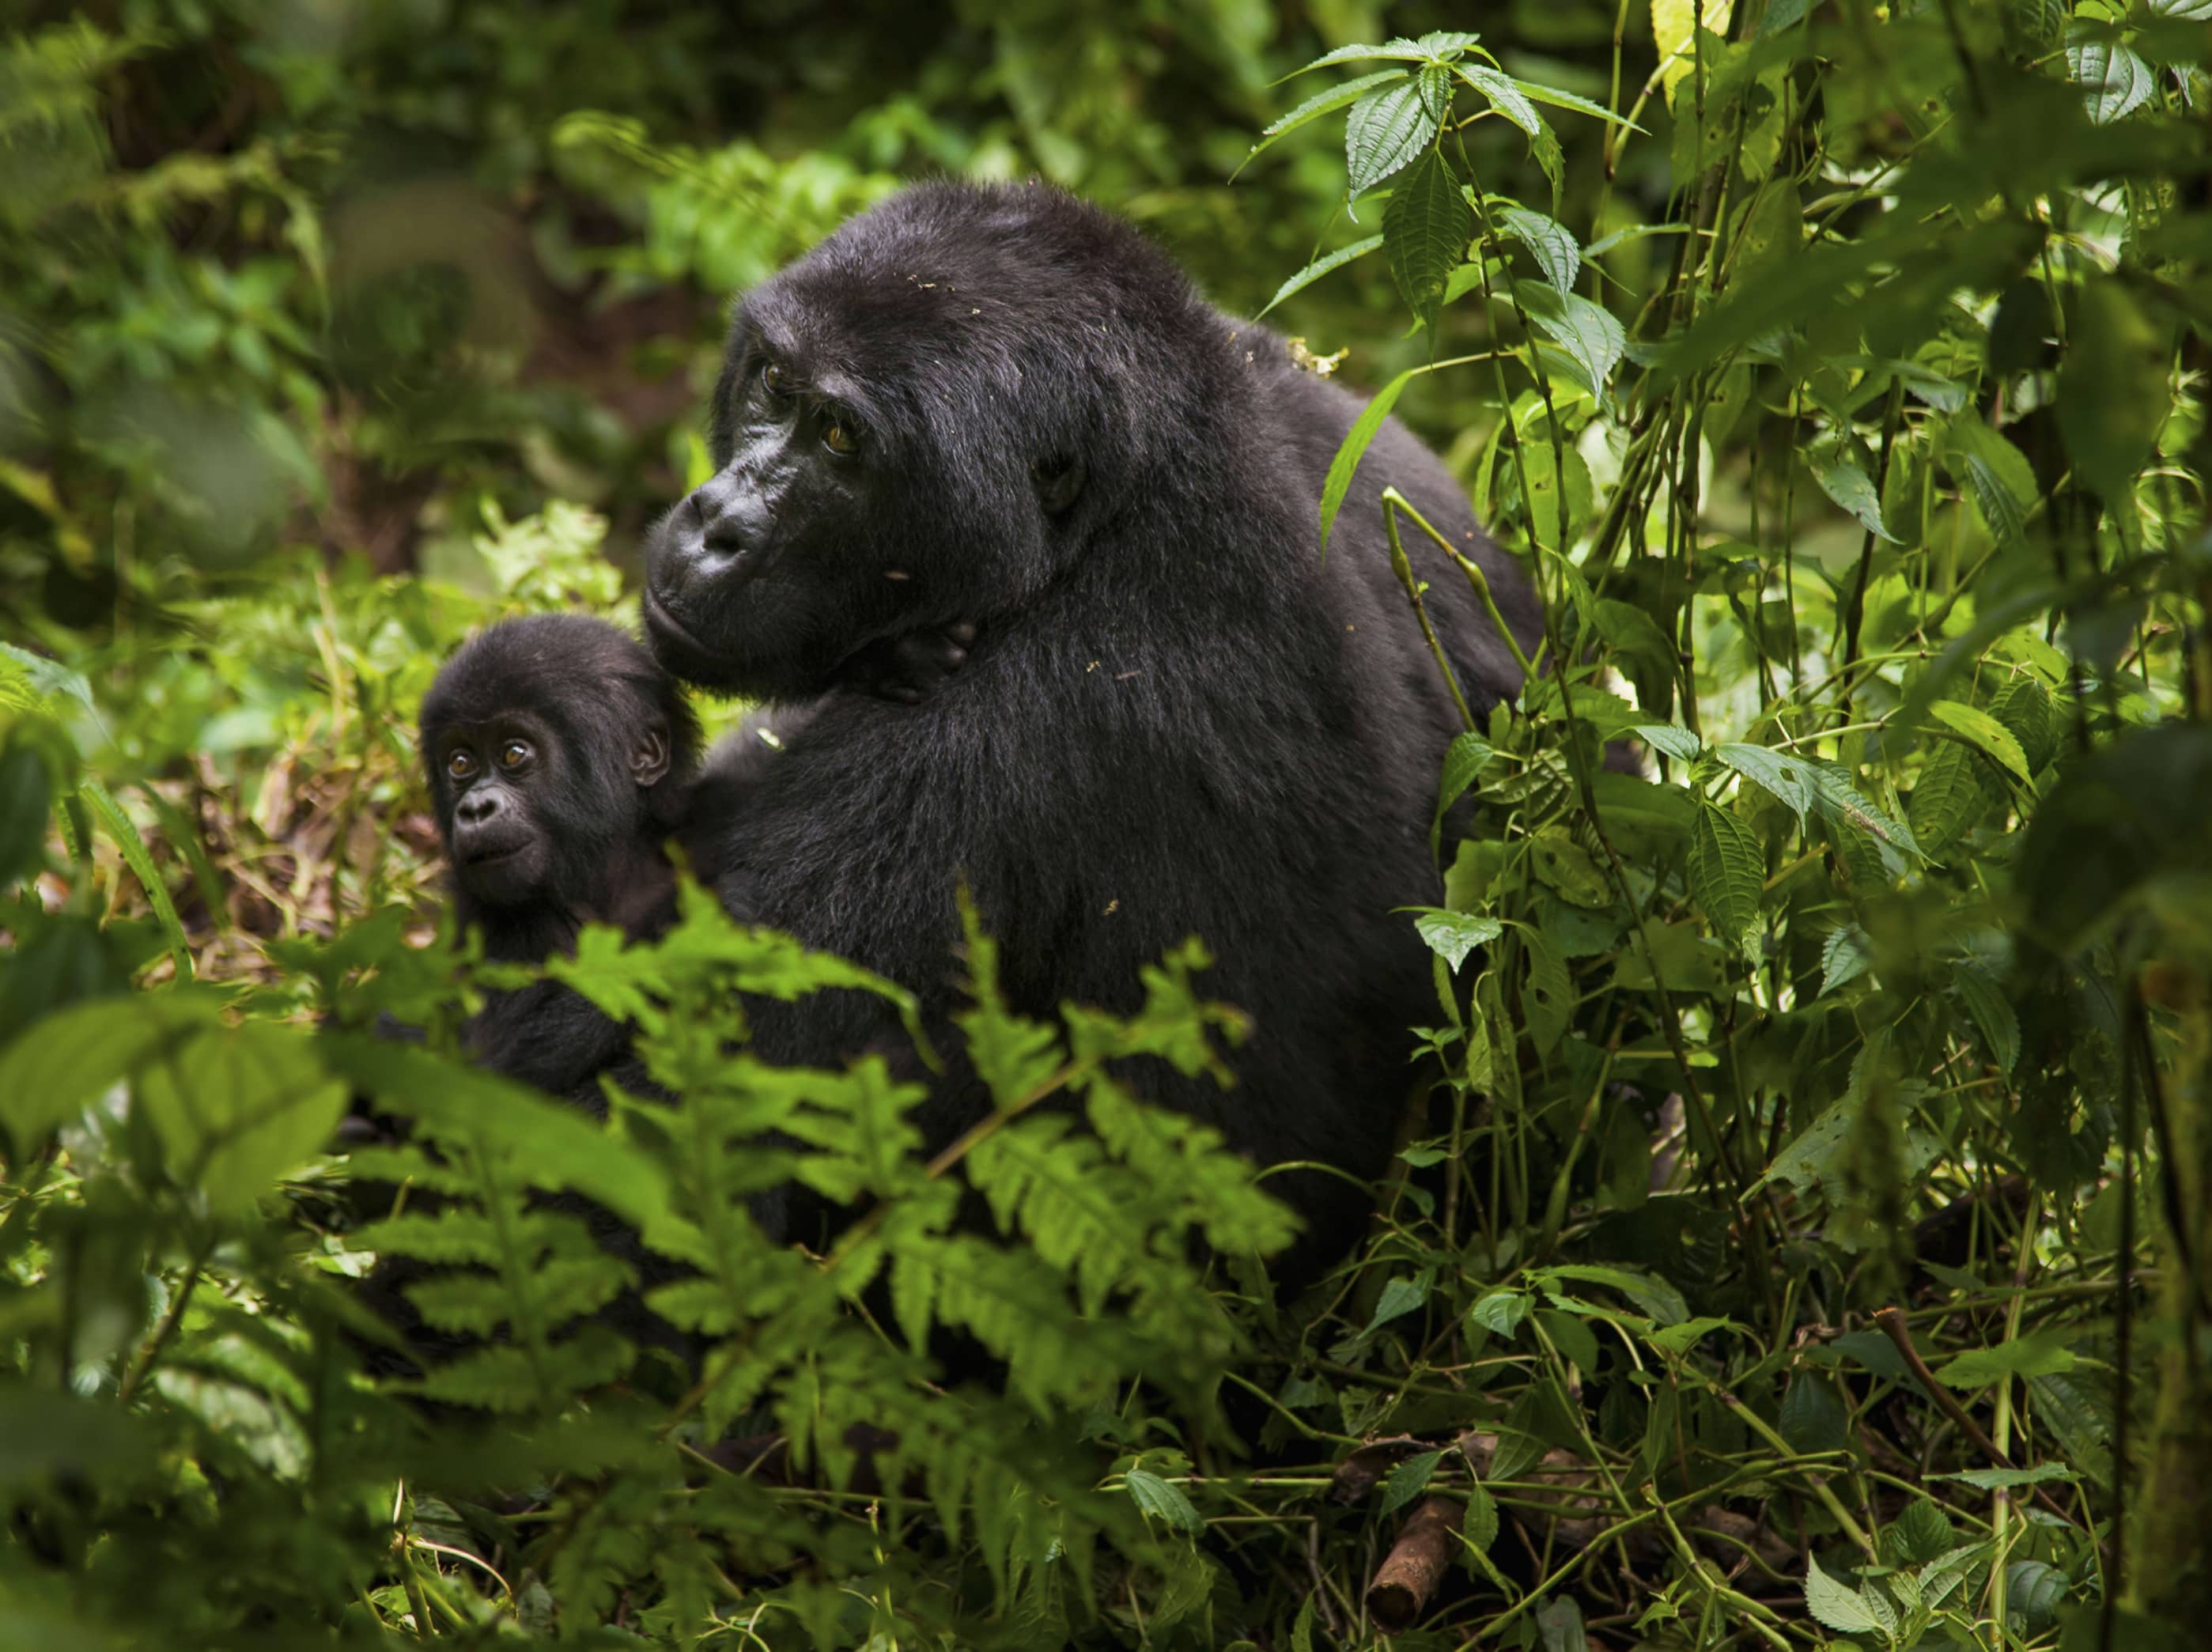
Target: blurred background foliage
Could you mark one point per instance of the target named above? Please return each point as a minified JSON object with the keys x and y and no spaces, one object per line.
{"x":1841,"y":378}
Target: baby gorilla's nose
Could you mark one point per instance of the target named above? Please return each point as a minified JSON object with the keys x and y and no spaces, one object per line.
{"x":478,"y":809}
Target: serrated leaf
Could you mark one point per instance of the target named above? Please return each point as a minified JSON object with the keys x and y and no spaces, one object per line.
{"x":1582,"y":105}
{"x":1408,"y":1481}
{"x":1996,"y":472}
{"x":1480,"y":1528}
{"x":1789,"y":778}
{"x":1852,"y":489}
{"x":2024,"y":706}
{"x":1727,"y":872}
{"x":1322,"y":102}
{"x":1843,"y":805}
{"x":1346,"y":465}
{"x":1400,"y":50}
{"x":1672,"y":738}
{"x":1844,"y":958}
{"x":1839,"y":1608}
{"x":1589,"y":334}
{"x":1992,"y":1014}
{"x":2116,"y":81}
{"x":1506,"y":97}
{"x":1319,"y":267}
{"x":1548,"y":240}
{"x":1163,"y":1501}
{"x":1984,"y":732}
{"x":1425,"y":230}
{"x":1389,"y":127}
{"x":1950,"y":795}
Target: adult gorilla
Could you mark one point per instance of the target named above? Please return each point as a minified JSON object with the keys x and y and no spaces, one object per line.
{"x":1004,"y":407}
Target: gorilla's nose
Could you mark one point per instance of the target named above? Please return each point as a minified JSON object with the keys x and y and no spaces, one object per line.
{"x":477,"y":809}
{"x":729,"y":521}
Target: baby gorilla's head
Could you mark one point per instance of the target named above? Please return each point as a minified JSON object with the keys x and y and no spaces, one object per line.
{"x":558,"y":754}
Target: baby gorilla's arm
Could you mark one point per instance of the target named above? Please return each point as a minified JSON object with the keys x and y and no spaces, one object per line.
{"x":909,"y":667}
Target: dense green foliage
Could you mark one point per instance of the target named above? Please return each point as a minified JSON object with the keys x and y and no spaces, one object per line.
{"x":1809,"y":1240}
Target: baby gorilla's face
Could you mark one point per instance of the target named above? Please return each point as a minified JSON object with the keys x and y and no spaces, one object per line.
{"x":495,"y":780}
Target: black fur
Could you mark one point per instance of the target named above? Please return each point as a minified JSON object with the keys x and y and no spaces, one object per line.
{"x":1175,"y":716}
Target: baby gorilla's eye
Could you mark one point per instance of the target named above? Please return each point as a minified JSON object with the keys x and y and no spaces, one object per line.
{"x":460,"y":765}
{"x":513,"y":753}
{"x":771,"y":379}
{"x":843,"y":439}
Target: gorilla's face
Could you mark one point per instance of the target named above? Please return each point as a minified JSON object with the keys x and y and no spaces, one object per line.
{"x":892,"y":450}
{"x":779,"y":566}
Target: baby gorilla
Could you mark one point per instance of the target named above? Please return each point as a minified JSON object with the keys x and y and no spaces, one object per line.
{"x":560,"y":756}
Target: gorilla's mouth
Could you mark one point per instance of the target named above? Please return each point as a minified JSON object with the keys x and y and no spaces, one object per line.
{"x":679,"y":650}
{"x":491,"y":854}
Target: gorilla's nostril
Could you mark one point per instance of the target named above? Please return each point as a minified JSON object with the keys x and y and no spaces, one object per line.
{"x":723,"y":543}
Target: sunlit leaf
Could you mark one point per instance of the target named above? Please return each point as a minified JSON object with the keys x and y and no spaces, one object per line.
{"x":1424,"y":229}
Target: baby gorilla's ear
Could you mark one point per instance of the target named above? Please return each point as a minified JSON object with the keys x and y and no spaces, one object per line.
{"x":648,"y":758}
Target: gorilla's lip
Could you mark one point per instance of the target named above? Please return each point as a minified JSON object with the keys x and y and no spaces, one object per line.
{"x":493,"y":854}
{"x":693,"y":658}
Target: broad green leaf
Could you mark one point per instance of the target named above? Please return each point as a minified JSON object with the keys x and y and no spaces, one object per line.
{"x":1984,"y":732}
{"x":2043,"y":1353}
{"x":1852,"y":489}
{"x":1464,"y":759}
{"x":1501,"y":1312}
{"x":1319,"y":267}
{"x":1673,"y":28}
{"x":1574,"y":1340}
{"x":1839,"y":1608}
{"x":1163,"y":1501}
{"x":1679,"y":1339}
{"x":1996,"y":472}
{"x":1672,"y":738}
{"x":77,"y":1054}
{"x":1843,"y":804}
{"x":2116,"y":81}
{"x":1390,"y":126}
{"x":1346,"y":462}
{"x":1950,"y":795}
{"x":1479,"y":1528}
{"x":1452,"y":935}
{"x":2024,"y":706}
{"x":1564,"y":865}
{"x":1548,"y":240}
{"x":1992,"y":1015}
{"x":1789,"y":778}
{"x":1320,"y":103}
{"x":1424,"y":229}
{"x":1991,"y":1479}
{"x":1547,"y":993}
{"x":1593,"y":339}
{"x":1653,"y":1297}
{"x":2113,"y":393}
{"x":1408,"y":1481}
{"x":237,"y":1107}
{"x":1844,"y":958}
{"x":26,"y":807}
{"x":1727,"y":872}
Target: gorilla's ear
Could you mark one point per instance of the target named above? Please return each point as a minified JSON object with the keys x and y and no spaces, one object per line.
{"x":1059,"y":479}
{"x":648,"y":758}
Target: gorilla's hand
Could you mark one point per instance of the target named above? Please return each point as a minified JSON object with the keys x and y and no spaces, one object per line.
{"x":909,"y":667}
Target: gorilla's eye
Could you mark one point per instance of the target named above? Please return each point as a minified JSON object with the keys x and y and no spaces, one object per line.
{"x":840,"y":439}
{"x":514,"y":753}
{"x":460,"y":765}
{"x":771,"y":379}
